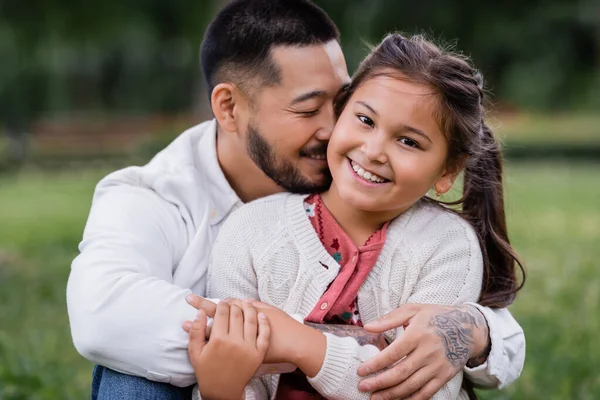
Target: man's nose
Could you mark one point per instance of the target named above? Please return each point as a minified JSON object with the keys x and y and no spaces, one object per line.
{"x":326,"y":123}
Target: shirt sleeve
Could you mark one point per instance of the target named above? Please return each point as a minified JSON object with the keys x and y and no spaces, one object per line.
{"x":124,"y":310}
{"x":507,"y":355}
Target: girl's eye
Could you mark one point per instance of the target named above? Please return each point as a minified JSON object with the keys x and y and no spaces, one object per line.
{"x":409,"y":142}
{"x":366,"y":120}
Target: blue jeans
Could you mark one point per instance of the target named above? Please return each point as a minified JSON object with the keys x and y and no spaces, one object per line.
{"x":111,"y":385}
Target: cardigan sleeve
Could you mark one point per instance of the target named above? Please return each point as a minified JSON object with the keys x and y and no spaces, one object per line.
{"x":451,"y":274}
{"x":231,"y":274}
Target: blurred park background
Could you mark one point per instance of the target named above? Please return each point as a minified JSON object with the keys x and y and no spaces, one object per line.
{"x":89,"y":87}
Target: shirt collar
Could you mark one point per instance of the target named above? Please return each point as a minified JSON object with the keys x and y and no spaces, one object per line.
{"x":222,"y":197}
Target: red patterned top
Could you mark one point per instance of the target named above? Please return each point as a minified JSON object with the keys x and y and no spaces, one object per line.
{"x":338,"y":304}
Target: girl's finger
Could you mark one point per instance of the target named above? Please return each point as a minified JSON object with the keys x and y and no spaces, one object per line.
{"x":236,"y":322}
{"x":250,"y":323}
{"x":221,"y":321}
{"x":264,"y":334}
{"x":197,"y":334}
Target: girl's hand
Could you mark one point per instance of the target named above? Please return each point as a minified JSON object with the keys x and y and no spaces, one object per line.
{"x":238,"y":343}
{"x":292,"y":341}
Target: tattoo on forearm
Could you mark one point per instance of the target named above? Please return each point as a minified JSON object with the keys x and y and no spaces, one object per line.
{"x":359,"y":334}
{"x":481,"y":323}
{"x":456,"y":329}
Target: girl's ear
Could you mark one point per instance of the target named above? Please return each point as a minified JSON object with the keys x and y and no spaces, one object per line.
{"x":445,"y":182}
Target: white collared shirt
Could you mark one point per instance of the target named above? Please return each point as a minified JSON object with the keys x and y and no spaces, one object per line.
{"x":146,"y":246}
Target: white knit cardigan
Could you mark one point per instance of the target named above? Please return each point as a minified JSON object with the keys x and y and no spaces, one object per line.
{"x":268,"y":250}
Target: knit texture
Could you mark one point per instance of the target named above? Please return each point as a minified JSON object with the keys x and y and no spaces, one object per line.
{"x":268,"y":250}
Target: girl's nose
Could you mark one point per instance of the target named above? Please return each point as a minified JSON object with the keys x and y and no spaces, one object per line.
{"x":373,"y":148}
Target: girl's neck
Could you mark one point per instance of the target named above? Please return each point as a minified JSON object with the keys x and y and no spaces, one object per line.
{"x":358,"y":224}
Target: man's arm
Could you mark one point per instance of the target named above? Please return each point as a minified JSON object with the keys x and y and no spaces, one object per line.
{"x":505,"y":353}
{"x":457,"y":337}
{"x":124,"y":311}
{"x":359,"y":334}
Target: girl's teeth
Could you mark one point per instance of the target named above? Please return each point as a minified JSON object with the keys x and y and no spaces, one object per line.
{"x":366,"y":174}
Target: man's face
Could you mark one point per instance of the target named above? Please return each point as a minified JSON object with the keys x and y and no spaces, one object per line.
{"x":290,"y":123}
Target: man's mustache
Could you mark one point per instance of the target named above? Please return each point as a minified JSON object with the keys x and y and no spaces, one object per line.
{"x":319,"y":150}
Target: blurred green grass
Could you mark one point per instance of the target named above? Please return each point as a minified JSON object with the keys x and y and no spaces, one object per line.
{"x":554,"y":219}
{"x":543,"y":129}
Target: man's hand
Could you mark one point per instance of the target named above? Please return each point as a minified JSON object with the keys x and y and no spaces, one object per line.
{"x":437,"y":343}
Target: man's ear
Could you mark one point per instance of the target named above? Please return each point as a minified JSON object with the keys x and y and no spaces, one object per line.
{"x":223,"y":102}
{"x":445,"y":182}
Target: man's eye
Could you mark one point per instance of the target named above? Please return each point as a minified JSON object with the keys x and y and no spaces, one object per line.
{"x":309,"y":113}
{"x":366,"y":120}
{"x":409,"y":142}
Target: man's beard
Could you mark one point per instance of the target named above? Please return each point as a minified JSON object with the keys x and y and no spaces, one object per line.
{"x":282,"y":171}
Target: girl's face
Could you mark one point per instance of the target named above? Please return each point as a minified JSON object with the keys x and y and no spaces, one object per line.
{"x":387,"y":150}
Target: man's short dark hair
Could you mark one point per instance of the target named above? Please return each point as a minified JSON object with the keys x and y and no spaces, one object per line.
{"x":237,"y":43}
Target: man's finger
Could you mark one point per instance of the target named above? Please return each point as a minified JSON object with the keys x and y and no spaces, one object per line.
{"x":396,"y":351}
{"x":399,"y":317}
{"x":427,"y":391}
{"x":396,"y":375}
{"x":201,"y":303}
{"x":197,"y":334}
{"x":406,"y":388}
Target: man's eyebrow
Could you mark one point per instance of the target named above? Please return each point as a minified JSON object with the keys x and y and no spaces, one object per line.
{"x":308,"y":95}
{"x":402,"y":127}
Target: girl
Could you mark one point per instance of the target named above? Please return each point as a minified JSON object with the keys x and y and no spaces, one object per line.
{"x":412,"y":120}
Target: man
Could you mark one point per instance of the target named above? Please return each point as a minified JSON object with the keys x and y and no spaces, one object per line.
{"x":273,"y":70}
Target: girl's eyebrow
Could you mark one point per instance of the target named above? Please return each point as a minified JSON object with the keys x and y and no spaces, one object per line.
{"x":416,"y":131}
{"x":402,"y":127}
{"x":367,"y":106}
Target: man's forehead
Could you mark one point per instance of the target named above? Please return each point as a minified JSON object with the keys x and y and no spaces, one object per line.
{"x":311,"y":68}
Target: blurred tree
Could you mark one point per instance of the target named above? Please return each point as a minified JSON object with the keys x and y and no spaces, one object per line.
{"x":141,"y":56}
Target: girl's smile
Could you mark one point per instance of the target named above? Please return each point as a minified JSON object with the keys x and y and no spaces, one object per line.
{"x":387,"y":149}
{"x":366,"y":176}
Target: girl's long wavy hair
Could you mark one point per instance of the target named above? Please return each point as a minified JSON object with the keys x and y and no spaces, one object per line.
{"x":471,"y":144}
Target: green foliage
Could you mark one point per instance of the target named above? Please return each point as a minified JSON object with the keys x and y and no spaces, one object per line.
{"x":142,"y":56}
{"x":554,"y":220}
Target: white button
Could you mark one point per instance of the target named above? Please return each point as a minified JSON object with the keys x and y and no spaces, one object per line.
{"x":353,"y":259}
{"x":213,"y":213}
{"x":323,"y":306}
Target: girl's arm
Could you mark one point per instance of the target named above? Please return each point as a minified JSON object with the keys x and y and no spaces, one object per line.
{"x":226,"y":363}
{"x":451,"y":276}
